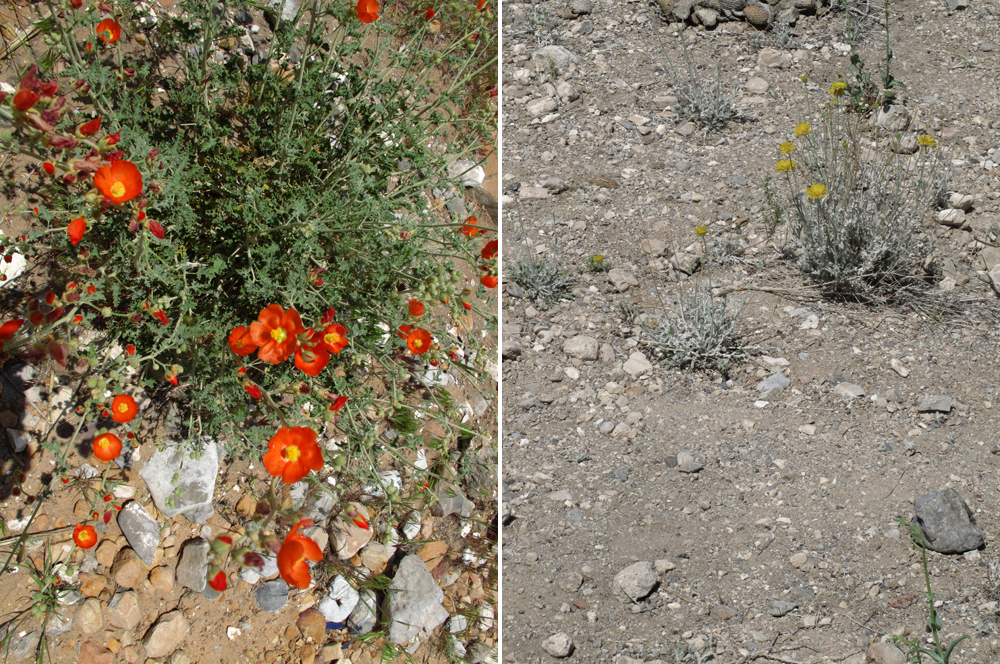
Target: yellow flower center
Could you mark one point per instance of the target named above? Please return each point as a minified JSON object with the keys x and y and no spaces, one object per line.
{"x":103,"y":443}
{"x":117,"y":190}
{"x":291,"y":453}
{"x":123,"y":408}
{"x":332,"y":338}
{"x":84,"y":536}
{"x":418,"y":343}
{"x":279,"y":334}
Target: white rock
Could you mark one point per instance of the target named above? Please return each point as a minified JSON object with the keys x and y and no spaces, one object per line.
{"x":952,"y":217}
{"x":960,"y":201}
{"x":898,"y":367}
{"x":637,"y":364}
{"x":339,"y":602}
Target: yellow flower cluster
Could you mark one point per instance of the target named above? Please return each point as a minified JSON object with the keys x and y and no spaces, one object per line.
{"x":785,"y":165}
{"x":802,"y":129}
{"x":927,"y":141}
{"x":816,"y":191}
{"x":787,"y":147}
{"x":838,"y":89}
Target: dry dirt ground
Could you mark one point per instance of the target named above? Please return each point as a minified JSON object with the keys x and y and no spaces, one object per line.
{"x":799,"y":490}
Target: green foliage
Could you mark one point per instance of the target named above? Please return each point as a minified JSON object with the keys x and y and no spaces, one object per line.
{"x":542,"y":280}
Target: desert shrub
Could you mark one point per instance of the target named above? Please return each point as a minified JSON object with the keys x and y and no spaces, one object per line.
{"x":855,"y":199}
{"x":542,"y":279}
{"x":704,"y":101}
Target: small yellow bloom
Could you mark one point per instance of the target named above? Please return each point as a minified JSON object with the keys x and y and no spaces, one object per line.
{"x":701,"y":230}
{"x":838,"y":88}
{"x":785,"y":165}
{"x":803,"y":78}
{"x":816,"y":191}
{"x":598,"y":259}
{"x":928,"y":141}
{"x":802,"y":129}
{"x":787,"y":147}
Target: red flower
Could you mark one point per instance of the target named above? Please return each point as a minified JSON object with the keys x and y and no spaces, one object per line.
{"x":295,"y":550}
{"x":334,"y":339}
{"x":88,"y":128}
{"x":109,"y":31}
{"x":111,"y":139}
{"x":119,"y":182}
{"x":470,"y":230}
{"x":416,"y":308}
{"x":404,"y":331}
{"x":130,"y":350}
{"x":172,"y":378}
{"x":160,"y":316}
{"x":252,"y":390}
{"x":292,"y":453}
{"x":10,"y":328}
{"x":25,"y":99}
{"x":155,"y":228}
{"x":107,"y":447}
{"x":218,"y":582}
{"x":467,"y":305}
{"x":240,"y":341}
{"x":84,"y":536}
{"x":76,"y":229}
{"x":76,"y":4}
{"x":328,"y":317}
{"x":312,"y":357}
{"x":482,"y":3}
{"x":49,"y":168}
{"x":429,"y":14}
{"x":77,"y":319}
{"x":489,"y":281}
{"x":91,"y":289}
{"x":275,"y":332}
{"x":367,"y":10}
{"x":419,"y":341}
{"x":124,"y":408}
{"x":360,"y":522}
{"x":57,"y":352}
{"x":490,"y":250}
{"x":338,"y":403}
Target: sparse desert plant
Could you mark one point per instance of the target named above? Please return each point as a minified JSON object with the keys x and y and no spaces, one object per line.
{"x":704,"y":101}
{"x":542,"y":279}
{"x":856,"y":201}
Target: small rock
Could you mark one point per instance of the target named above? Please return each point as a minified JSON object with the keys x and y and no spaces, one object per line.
{"x":621,"y":279}
{"x":312,"y":624}
{"x":935,"y":404}
{"x":271,"y":596}
{"x":91,"y":585}
{"x":162,"y":579}
{"x":141,"y":530}
{"x":774,"y":58}
{"x":375,"y":557}
{"x":581,"y":347}
{"x":581,"y":7}
{"x":690,"y":468}
{"x":686,"y":128}
{"x":166,"y":634}
{"x":540,"y":107}
{"x":776,"y":381}
{"x":123,"y":610}
{"x":94,"y":653}
{"x":558,"y":645}
{"x":885,"y":653}
{"x":637,"y":365}
{"x":723,"y":612}
{"x":88,"y":616}
{"x":849,"y":390}
{"x":556,"y":57}
{"x":193,"y":495}
{"x":414,"y":601}
{"x":192,"y":569}
{"x":757,"y":85}
{"x":362,"y":618}
{"x":946,"y":522}
{"x":348,"y":537}
{"x":952,"y":217}
{"x":893,"y":118}
{"x":961,"y":202}
{"x":779,"y":608}
{"x":339,"y":602}
{"x":128,"y":570}
{"x":635,"y":581}
{"x":799,"y":559}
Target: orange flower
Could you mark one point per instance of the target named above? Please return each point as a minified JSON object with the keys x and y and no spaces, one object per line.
{"x":84,"y":536}
{"x":419,"y":341}
{"x":218,"y":581}
{"x":124,"y":408}
{"x":416,"y":308}
{"x":479,"y":7}
{"x":292,"y":453}
{"x":295,"y":550}
{"x":275,"y":332}
{"x":429,"y":14}
{"x":240,"y":341}
{"x":88,"y":128}
{"x":160,"y":316}
{"x":312,"y":357}
{"x":25,"y":99}
{"x":120,"y":181}
{"x":334,"y":339}
{"x":367,"y":10}
{"x":489,"y":281}
{"x":252,"y":390}
{"x":490,"y":250}
{"x":470,"y":230}
{"x":109,"y":31}
{"x":107,"y":447}
{"x":76,"y":229}
{"x":404,"y":331}
{"x":10,"y":328}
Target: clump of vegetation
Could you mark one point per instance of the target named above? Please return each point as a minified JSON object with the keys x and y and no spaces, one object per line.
{"x":543,"y":280}
{"x":706,"y":102}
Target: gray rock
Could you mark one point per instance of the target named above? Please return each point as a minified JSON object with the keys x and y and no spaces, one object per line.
{"x":192,"y":569}
{"x":24,"y":647}
{"x":778,"y":608}
{"x":192,"y":495}
{"x":539,"y":107}
{"x":947,"y":523}
{"x":457,"y":207}
{"x":955,"y":5}
{"x":289,"y":8}
{"x":453,"y":501}
{"x":622,"y":279}
{"x":682,"y":10}
{"x":362,"y":618}
{"x":558,"y":645}
{"x":849,"y":390}
{"x":581,"y":347}
{"x":938,"y":403}
{"x":987,"y":47}
{"x":58,"y":624}
{"x":774,"y":58}
{"x":757,"y":85}
{"x":466,"y":172}
{"x":635,"y":581}
{"x":556,"y":56}
{"x":582,"y":7}
{"x":707,"y":17}
{"x":511,"y":350}
{"x":690,"y":467}
{"x":686,"y":128}
{"x":414,"y":601}
{"x":637,"y":364}
{"x":894,"y":118}
{"x":776,"y":381}
{"x":885,"y":653}
{"x":271,"y":596}
{"x":339,"y":602}
{"x":141,"y":530}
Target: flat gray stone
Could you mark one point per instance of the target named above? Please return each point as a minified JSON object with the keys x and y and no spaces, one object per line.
{"x":849,"y":390}
{"x":558,"y":645}
{"x":778,"y":607}
{"x":947,"y":523}
{"x":339,"y":601}
{"x":414,"y":601}
{"x":192,"y":495}
{"x":557,"y":56}
{"x":691,"y":467}
{"x":271,"y":596}
{"x":582,"y":7}
{"x":453,"y":501}
{"x":621,"y":279}
{"x":937,"y":403}
{"x":362,"y":618}
{"x":776,"y":381}
{"x":141,"y":530}
{"x":757,"y":85}
{"x":635,"y":582}
{"x":192,"y":569}
{"x":581,"y":347}
{"x":637,"y":364}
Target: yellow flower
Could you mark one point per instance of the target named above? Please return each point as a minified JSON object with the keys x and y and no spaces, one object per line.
{"x":802,"y":129}
{"x":816,"y":191}
{"x":787,"y":147}
{"x":803,"y":78}
{"x":701,"y":230}
{"x":838,"y":88}
{"x":928,"y":141}
{"x":598,"y":259}
{"x":785,"y":165}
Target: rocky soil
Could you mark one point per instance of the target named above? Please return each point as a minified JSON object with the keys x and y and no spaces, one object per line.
{"x":656,"y":514}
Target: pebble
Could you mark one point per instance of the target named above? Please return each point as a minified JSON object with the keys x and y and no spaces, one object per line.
{"x":271,"y":596}
{"x":757,"y":85}
{"x":635,"y":582}
{"x":162,"y":578}
{"x":88,"y":616}
{"x":558,"y":645}
{"x":123,"y":610}
{"x":947,"y":523}
{"x":935,"y":404}
{"x":581,"y":347}
{"x":166,"y":634}
{"x":127,"y":569}
{"x":849,"y":390}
